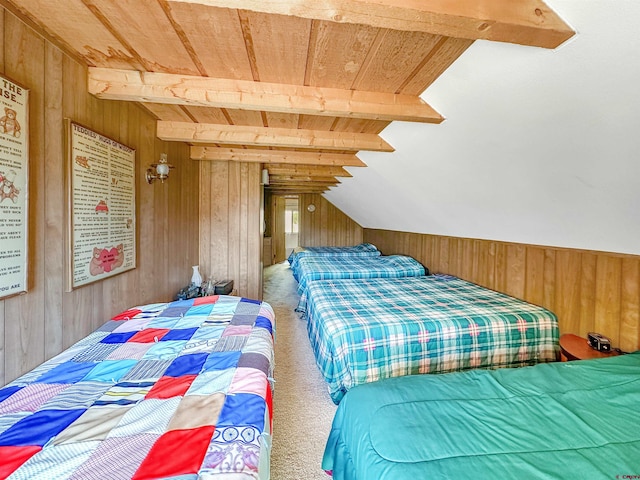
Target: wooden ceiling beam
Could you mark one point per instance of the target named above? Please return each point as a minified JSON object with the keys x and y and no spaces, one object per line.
{"x":304,"y":185}
{"x":270,"y":137}
{"x":149,"y":87}
{"x":525,"y":22}
{"x":301,"y":191}
{"x":254,"y":155}
{"x":307,"y":170}
{"x":300,"y":188}
{"x":288,"y":179}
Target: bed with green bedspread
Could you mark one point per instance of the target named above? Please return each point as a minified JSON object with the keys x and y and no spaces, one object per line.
{"x":365,"y":330}
{"x":549,"y":421}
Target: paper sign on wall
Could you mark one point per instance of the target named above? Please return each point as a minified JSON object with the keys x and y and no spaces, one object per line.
{"x":14,"y":161}
{"x":102,"y":207}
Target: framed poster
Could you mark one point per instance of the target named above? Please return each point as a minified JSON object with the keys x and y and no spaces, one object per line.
{"x":14,"y":201}
{"x":102,"y":206}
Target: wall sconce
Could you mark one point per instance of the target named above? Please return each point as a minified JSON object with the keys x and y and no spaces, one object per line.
{"x":265,"y":177}
{"x":159,"y":171}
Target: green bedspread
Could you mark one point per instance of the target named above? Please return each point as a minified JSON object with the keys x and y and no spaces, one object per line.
{"x":559,"y":420}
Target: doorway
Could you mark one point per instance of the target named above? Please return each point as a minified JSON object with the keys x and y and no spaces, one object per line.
{"x":291,"y":217}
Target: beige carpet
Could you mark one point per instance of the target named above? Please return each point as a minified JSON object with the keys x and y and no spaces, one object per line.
{"x":303,"y":410}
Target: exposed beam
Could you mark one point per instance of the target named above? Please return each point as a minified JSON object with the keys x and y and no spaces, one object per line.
{"x":307,"y":170}
{"x":301,"y":191}
{"x":300,"y":188}
{"x":270,"y":137}
{"x":526,"y":22}
{"x":305,"y":185}
{"x":166,"y":88}
{"x":288,"y":179}
{"x":275,"y":156}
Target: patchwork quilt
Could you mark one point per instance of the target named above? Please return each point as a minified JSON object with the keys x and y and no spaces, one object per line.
{"x":361,"y":250}
{"x":326,"y":268}
{"x":369,"y":329}
{"x":167,"y":390}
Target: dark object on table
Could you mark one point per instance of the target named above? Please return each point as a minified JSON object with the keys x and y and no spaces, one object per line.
{"x":598,"y":342}
{"x":187,"y":292}
{"x":224,"y":287}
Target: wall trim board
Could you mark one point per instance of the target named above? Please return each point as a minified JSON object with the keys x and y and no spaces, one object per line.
{"x":588,"y":290}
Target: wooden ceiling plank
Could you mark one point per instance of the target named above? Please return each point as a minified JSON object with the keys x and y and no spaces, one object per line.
{"x":202,"y":24}
{"x":339,"y":51}
{"x":407,"y":49}
{"x":269,"y":137}
{"x":203,"y":114}
{"x":147,"y":31}
{"x":280,"y":44}
{"x":525,"y":22}
{"x":444,"y":53}
{"x":278,"y":157}
{"x":138,"y":86}
{"x":182,"y":35}
{"x":171,"y":113}
{"x":251,"y":118}
{"x":76,"y":30}
{"x":283,"y":120}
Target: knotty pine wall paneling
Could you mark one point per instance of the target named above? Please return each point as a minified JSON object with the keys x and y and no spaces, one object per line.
{"x":327,"y":225}
{"x":231,"y":234}
{"x":39,"y":324}
{"x":587,"y":290}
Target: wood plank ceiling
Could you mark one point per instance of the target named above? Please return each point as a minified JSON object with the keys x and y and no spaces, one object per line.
{"x":298,"y":85}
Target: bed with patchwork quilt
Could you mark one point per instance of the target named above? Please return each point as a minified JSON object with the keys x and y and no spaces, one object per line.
{"x":360,"y":250}
{"x":167,"y":390}
{"x":549,"y":421}
{"x":327,"y":268}
{"x":365,"y":330}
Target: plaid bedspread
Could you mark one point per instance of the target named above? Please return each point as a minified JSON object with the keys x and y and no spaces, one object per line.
{"x":168,"y":390}
{"x":361,"y":250}
{"x":327,"y":268}
{"x":367,"y":330}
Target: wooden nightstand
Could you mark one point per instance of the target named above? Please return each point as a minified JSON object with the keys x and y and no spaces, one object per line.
{"x":574,"y":347}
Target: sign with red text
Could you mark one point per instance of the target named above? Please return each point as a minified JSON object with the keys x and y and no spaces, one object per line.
{"x":102,"y":205}
{"x":14,"y":161}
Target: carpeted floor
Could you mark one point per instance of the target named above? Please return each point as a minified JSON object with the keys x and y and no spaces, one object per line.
{"x":303,"y":410}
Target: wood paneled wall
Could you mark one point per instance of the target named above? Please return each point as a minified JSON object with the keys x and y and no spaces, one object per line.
{"x":230,"y":224}
{"x":41,"y":323}
{"x":587,"y":290}
{"x":326,"y":226}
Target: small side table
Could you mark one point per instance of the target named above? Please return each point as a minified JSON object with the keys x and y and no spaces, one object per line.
{"x":574,"y":347}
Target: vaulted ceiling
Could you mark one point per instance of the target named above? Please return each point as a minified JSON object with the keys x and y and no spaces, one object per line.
{"x":298,"y":85}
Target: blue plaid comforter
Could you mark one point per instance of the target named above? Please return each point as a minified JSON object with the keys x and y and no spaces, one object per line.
{"x":361,"y":250}
{"x":328,"y":268}
{"x":366,"y":330}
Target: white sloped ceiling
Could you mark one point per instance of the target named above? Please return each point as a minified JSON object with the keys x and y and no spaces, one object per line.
{"x":539,"y":146}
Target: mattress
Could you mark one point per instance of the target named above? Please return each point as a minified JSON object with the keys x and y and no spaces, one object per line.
{"x":369,"y":329}
{"x":557,"y":420}
{"x":360,"y":250}
{"x":166,"y":390}
{"x":326,"y":268}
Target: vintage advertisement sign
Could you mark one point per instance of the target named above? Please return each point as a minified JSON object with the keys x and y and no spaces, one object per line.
{"x":14,"y":161}
{"x":102,"y":204}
